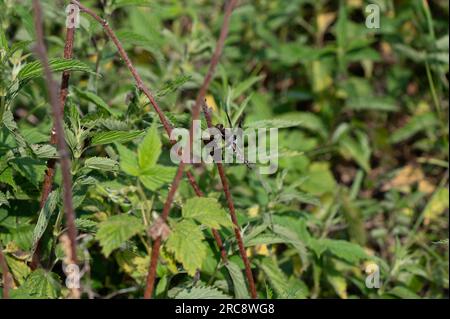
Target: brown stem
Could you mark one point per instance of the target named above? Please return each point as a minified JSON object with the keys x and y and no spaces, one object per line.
{"x":50,"y":171}
{"x":195,"y":115}
{"x":237,"y":232}
{"x":7,"y":278}
{"x":157,"y":243}
{"x":59,"y":130}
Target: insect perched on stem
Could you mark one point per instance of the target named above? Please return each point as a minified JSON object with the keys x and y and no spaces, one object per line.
{"x":231,"y":141}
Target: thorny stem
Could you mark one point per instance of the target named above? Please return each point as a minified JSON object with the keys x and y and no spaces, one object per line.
{"x":7,"y":278}
{"x":157,"y":242}
{"x":59,"y":130}
{"x":237,"y":232}
{"x":50,"y":172}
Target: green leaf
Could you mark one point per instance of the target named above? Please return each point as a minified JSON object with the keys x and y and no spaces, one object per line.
{"x":358,"y":149}
{"x":319,"y":180}
{"x":30,"y":168}
{"x":416,"y":124}
{"x":149,"y":149}
{"x":102,"y":138}
{"x":116,"y":230}
{"x":240,"y":288}
{"x":94,"y":98}
{"x":437,"y":205}
{"x":274,"y":123}
{"x":3,"y":199}
{"x":18,"y":268}
{"x":285,"y":288}
{"x":128,"y":160}
{"x":34,"y":69}
{"x":86,"y":225}
{"x":39,"y":284}
{"x":206,"y":211}
{"x":372,"y":103}
{"x":245,"y":85}
{"x":44,"y":218}
{"x":157,"y":176}
{"x":172,"y":86}
{"x":187,"y":243}
{"x":348,"y":251}
{"x":201,"y":293}
{"x":101,"y":163}
{"x":403,"y":293}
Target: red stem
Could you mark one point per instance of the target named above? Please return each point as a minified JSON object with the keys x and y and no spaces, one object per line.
{"x":157,"y":243}
{"x":59,"y":130}
{"x":50,"y":172}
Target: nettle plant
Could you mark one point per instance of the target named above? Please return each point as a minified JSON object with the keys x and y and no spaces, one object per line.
{"x":124,"y":186}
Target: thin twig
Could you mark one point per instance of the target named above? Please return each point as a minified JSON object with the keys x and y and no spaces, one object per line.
{"x":59,"y":129}
{"x":229,"y":198}
{"x":150,"y":284}
{"x":50,"y":171}
{"x":7,"y":278}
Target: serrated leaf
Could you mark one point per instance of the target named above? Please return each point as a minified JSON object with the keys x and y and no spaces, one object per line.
{"x":18,"y":268}
{"x":86,"y":225}
{"x":39,"y":284}
{"x":201,"y":293}
{"x":149,"y":149}
{"x":116,"y":230}
{"x":172,"y":86}
{"x":44,"y":151}
{"x":101,"y":163}
{"x":128,"y":160}
{"x":240,"y":288}
{"x":44,"y":218}
{"x":187,"y":243}
{"x":102,"y":138}
{"x":157,"y":176}
{"x":284,"y":287}
{"x":34,"y":69}
{"x":206,"y":211}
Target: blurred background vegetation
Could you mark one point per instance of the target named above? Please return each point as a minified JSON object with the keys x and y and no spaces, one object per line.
{"x":362,"y":178}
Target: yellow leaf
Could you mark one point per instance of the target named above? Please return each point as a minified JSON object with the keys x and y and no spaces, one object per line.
{"x":436,"y":206}
{"x":262,"y":250}
{"x":253,"y":211}
{"x":324,"y":20}
{"x":211,"y":102}
{"x":339,"y":284}
{"x":405,"y":178}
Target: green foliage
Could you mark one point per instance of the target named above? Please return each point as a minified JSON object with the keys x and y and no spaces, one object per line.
{"x":191,"y":253}
{"x":206,"y":211}
{"x":116,"y":230}
{"x":362,"y":174}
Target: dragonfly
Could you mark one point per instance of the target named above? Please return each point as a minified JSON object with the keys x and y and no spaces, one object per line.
{"x":231,"y":142}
